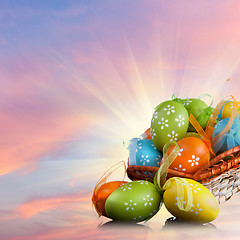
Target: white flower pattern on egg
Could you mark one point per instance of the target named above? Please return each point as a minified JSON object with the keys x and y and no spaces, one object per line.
{"x":169,"y":109}
{"x":231,"y":105}
{"x":153,"y":133}
{"x":152,"y":213}
{"x":126,"y":187}
{"x":195,"y":188}
{"x":144,"y":159}
{"x":142,"y":182}
{"x":181,"y":200}
{"x":180,"y":120}
{"x":196,"y":209}
{"x":139,"y":146}
{"x":194,"y":160}
{"x":155,"y":116}
{"x":148,"y":200}
{"x":173,"y":136}
{"x":153,"y":146}
{"x":180,"y":152}
{"x":180,"y":169}
{"x":138,"y":219}
{"x":163,"y":123}
{"x":187,"y":102}
{"x":130,"y":205}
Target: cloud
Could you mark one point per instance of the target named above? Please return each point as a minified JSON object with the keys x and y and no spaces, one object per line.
{"x":33,"y":207}
{"x":38,"y":115}
{"x":70,"y":232}
{"x":46,"y":215}
{"x":69,"y":204}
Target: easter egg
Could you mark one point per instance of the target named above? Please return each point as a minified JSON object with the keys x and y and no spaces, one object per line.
{"x":99,"y":198}
{"x":227,"y":109}
{"x":134,"y":201}
{"x":142,"y":152}
{"x":193,"y":155}
{"x":204,"y":207}
{"x":196,"y":107}
{"x":231,"y":138}
{"x":192,"y":134}
{"x":219,"y":117}
{"x":179,"y":100}
{"x":169,"y":122}
{"x":147,"y":134}
{"x":204,"y":116}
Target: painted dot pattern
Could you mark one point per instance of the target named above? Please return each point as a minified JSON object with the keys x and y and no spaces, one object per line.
{"x":169,"y":123}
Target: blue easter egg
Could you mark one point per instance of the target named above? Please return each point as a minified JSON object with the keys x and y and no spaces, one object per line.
{"x":142,"y":152}
{"x":231,"y":138}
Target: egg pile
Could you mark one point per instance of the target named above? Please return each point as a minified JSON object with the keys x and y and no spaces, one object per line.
{"x":184,"y":198}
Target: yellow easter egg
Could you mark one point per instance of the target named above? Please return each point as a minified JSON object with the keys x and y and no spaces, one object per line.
{"x":189,"y":200}
{"x":227,"y":109}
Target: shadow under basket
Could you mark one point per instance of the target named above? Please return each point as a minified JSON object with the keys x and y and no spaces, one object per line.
{"x":221,"y":175}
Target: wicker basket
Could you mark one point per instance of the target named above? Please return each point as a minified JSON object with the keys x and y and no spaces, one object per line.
{"x":221,"y":175}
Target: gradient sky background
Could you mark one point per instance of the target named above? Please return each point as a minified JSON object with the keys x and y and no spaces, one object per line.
{"x":79,"y":78}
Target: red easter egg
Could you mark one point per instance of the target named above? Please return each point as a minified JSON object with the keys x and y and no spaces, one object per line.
{"x":193,"y":155}
{"x":147,"y":134}
{"x":99,"y":198}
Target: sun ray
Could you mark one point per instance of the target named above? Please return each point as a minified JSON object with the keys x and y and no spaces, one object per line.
{"x":113,"y":104}
{"x":137,"y":82}
{"x":160,"y":81}
{"x":178,"y":79}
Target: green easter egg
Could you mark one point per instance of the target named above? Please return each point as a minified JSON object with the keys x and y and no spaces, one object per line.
{"x":133,"y":202}
{"x":179,"y":100}
{"x":169,"y":122}
{"x":196,"y":107}
{"x":204,"y":116}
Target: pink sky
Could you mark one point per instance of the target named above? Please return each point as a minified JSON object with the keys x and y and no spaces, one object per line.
{"x":78,"y":79}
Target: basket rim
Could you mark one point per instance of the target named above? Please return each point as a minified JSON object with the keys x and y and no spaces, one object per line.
{"x":214,"y":168}
{"x":216,"y":160}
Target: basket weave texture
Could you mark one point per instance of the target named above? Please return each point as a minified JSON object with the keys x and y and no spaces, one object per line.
{"x":221,"y":175}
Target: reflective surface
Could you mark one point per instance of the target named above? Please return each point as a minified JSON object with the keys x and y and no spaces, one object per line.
{"x":68,"y":214}
{"x":161,"y":225}
{"x":81,"y":78}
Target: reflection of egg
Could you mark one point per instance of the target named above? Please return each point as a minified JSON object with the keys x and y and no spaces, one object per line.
{"x":231,"y":138}
{"x":134,"y":201}
{"x":142,"y":152}
{"x":204,"y":205}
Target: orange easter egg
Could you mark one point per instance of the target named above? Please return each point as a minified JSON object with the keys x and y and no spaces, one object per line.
{"x":192,"y":156}
{"x":147,"y":134}
{"x":100,"y":196}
